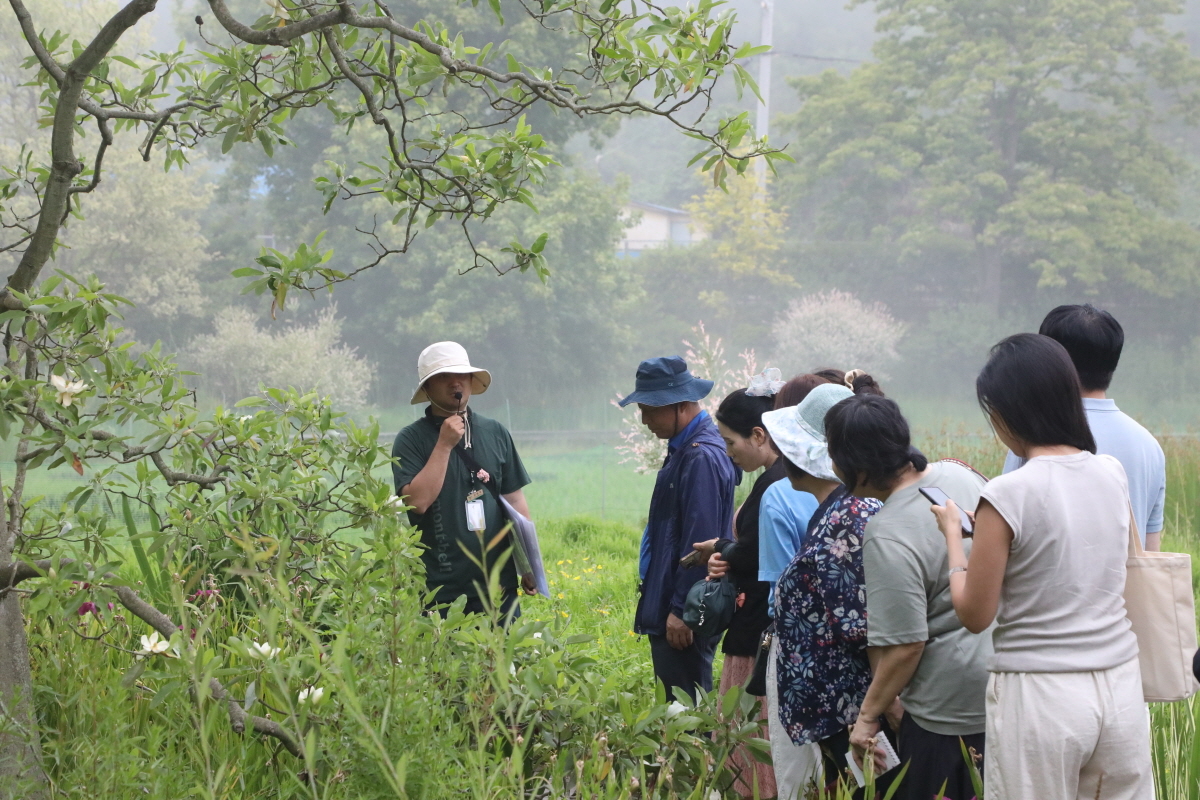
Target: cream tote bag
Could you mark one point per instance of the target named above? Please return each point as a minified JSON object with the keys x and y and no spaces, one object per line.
{"x":1160,"y":605}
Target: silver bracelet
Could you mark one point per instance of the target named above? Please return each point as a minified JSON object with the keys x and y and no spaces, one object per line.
{"x":957,"y":569}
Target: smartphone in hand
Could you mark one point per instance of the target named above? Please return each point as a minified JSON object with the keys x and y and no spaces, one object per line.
{"x":692,"y":559}
{"x":937,"y":497}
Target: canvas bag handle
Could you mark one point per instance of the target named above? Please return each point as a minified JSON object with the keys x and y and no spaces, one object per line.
{"x":1136,"y":548}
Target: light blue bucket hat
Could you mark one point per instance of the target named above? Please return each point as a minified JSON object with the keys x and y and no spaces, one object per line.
{"x":799,"y":431}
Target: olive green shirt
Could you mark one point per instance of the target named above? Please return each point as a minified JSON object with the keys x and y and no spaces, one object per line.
{"x":447,"y":541}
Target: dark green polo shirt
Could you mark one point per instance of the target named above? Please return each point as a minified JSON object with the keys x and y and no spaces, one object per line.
{"x":444,"y":526}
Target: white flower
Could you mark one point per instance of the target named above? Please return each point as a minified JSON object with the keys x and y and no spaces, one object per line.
{"x":675,"y":709}
{"x":311,"y":695}
{"x":537,"y":634}
{"x":153,"y":645}
{"x":263,"y":650}
{"x":397,"y":504}
{"x":66,"y":389}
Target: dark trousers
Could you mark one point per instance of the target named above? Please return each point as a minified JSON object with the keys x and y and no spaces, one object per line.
{"x":686,"y":668}
{"x":935,"y":759}
{"x":833,"y":755}
{"x":474,"y":605}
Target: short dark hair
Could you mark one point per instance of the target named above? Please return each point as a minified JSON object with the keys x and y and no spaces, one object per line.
{"x":868,"y":435}
{"x":742,"y":413}
{"x":1093,"y":339}
{"x":831,"y":374}
{"x":790,"y":468}
{"x":1030,"y":384}
{"x":795,"y":390}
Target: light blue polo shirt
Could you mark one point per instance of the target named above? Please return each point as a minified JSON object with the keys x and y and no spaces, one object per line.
{"x":1118,"y":435}
{"x":783,"y":515}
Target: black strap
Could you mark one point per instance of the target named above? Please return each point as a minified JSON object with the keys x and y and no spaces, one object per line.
{"x":474,"y":468}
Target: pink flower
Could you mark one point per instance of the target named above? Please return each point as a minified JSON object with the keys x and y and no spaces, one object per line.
{"x":89,"y":607}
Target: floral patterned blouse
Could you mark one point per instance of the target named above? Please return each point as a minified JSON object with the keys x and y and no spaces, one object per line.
{"x":821,"y":622}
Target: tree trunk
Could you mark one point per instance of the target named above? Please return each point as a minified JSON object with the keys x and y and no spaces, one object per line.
{"x":21,"y":773}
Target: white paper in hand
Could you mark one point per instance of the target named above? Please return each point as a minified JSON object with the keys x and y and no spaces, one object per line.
{"x":891,"y":760}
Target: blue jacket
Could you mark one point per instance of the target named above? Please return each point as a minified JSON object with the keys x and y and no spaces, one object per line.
{"x":692,"y":502}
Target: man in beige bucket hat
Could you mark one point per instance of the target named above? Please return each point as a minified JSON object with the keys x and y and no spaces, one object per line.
{"x":444,"y":463}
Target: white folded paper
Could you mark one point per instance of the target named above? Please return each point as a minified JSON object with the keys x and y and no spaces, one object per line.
{"x":891,"y":760}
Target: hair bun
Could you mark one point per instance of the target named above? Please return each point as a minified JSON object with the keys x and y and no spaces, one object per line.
{"x":860,"y":381}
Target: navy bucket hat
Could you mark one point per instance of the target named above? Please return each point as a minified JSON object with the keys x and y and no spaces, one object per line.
{"x":665,"y":381}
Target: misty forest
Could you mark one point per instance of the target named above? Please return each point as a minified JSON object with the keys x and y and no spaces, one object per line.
{"x":231,"y":227}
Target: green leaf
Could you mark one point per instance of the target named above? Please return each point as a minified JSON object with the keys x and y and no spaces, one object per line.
{"x":231,"y":136}
{"x":251,"y":696}
{"x":130,"y":678}
{"x":265,"y":140}
{"x":139,"y":553}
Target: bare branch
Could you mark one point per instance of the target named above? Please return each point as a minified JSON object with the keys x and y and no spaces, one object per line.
{"x":106,"y":139}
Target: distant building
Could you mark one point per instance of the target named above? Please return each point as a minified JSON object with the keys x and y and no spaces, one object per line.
{"x":656,"y":226}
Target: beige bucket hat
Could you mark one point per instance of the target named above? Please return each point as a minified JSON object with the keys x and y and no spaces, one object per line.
{"x":442,"y":357}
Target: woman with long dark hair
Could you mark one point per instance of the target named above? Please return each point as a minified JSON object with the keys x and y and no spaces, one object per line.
{"x":783,"y":516}
{"x":919,"y":650}
{"x":821,"y":665}
{"x":739,"y":420}
{"x":1065,"y":712}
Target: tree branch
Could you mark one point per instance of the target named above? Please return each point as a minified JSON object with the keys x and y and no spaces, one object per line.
{"x":64,"y":165}
{"x":13,"y":574}
{"x":172,"y":476}
{"x":106,"y":139}
{"x":280,"y":36}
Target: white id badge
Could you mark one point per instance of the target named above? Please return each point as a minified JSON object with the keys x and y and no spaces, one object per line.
{"x":476,"y":521}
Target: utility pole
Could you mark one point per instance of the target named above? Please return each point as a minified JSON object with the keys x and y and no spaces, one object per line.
{"x":762,"y":120}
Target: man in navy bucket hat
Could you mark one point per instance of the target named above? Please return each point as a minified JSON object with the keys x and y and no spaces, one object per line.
{"x":692,"y":502}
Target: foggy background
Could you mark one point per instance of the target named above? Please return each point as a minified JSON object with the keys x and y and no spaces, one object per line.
{"x":860,"y":293}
